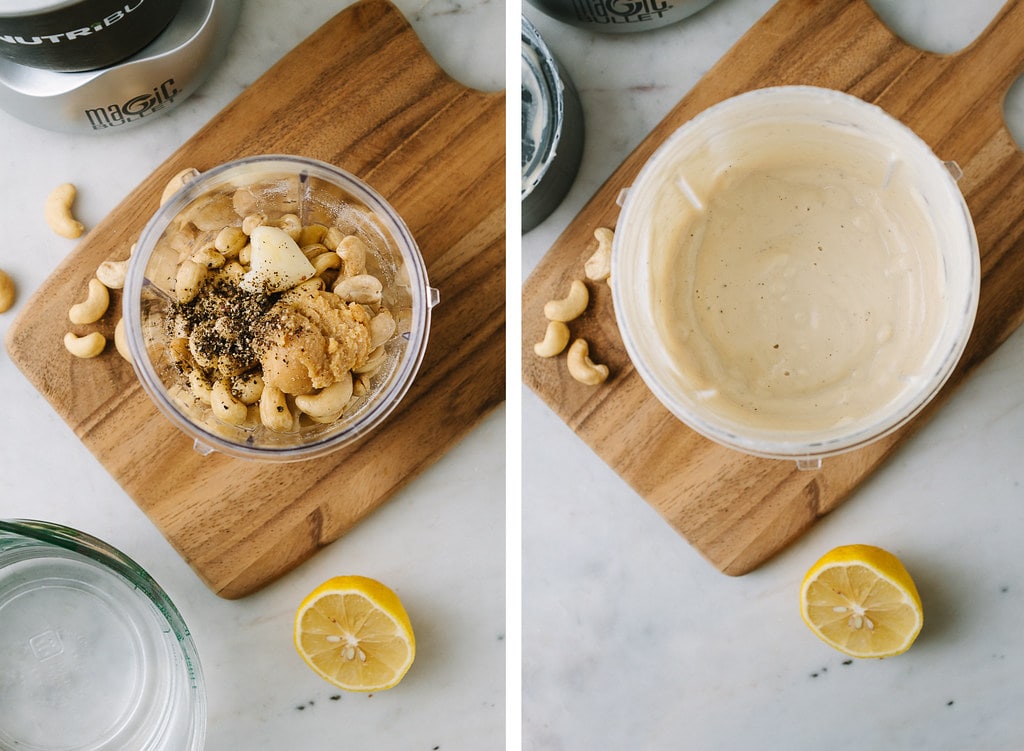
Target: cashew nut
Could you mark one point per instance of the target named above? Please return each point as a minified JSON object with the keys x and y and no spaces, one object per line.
{"x":57,"y":211}
{"x":311,"y":234}
{"x":121,"y":341}
{"x":199,"y":386}
{"x":212,"y":213}
{"x":313,"y":250}
{"x":85,"y":346}
{"x":274,"y":412}
{"x":233,"y":271}
{"x":332,"y":238}
{"x":316,"y":284}
{"x":569,"y":307}
{"x":252,"y":221}
{"x":361,"y":385}
{"x":291,"y":224}
{"x":112,"y":273}
{"x":230,"y":241}
{"x":6,"y":292}
{"x":352,"y":251}
{"x":365,"y":289}
{"x":373,"y":362}
{"x":382,"y":328}
{"x":178,"y":182}
{"x":209,"y":257}
{"x":599,"y":266}
{"x":556,"y":336}
{"x":247,"y":387}
{"x":225,"y":406}
{"x":329,"y":402}
{"x":581,"y":367}
{"x":243,"y":201}
{"x":325,"y":261}
{"x":93,"y":307}
{"x":190,"y":277}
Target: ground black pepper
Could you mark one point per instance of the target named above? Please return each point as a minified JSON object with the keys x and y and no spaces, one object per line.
{"x":226,"y":323}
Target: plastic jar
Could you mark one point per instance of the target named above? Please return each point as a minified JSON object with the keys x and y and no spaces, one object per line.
{"x":829,"y":306}
{"x":317,"y":193}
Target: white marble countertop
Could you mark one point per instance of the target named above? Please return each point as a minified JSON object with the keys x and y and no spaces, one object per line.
{"x":631,"y":640}
{"x":439,"y":542}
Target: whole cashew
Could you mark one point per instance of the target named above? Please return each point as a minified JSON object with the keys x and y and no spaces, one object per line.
{"x":556,"y":336}
{"x":363,"y":288}
{"x":93,"y":307}
{"x":7,"y":292}
{"x":199,"y":386}
{"x":581,"y":367}
{"x":361,"y":385}
{"x":57,"y":211}
{"x":352,"y":251}
{"x":121,"y":341}
{"x":85,"y":346}
{"x":209,"y":257}
{"x":325,"y":261}
{"x":313,"y":250}
{"x":243,"y":201}
{"x":332,"y":238}
{"x":190,"y":277}
{"x":230,"y":241}
{"x":311,"y":234}
{"x":225,"y":406}
{"x":329,"y":402}
{"x":274,"y":412}
{"x":316,"y":284}
{"x":233,"y":271}
{"x":569,"y":307}
{"x":291,"y":224}
{"x":112,"y":273}
{"x":382,"y":328}
{"x":599,"y":266}
{"x":252,"y":221}
{"x":178,"y":182}
{"x":248,"y":387}
{"x":373,"y":362}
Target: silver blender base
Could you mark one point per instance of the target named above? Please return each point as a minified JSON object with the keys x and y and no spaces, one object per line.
{"x":149,"y":83}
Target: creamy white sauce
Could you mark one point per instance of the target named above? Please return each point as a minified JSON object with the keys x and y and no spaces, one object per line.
{"x":799,"y":287}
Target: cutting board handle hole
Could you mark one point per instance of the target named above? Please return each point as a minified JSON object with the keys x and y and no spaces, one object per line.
{"x":919,"y":23}
{"x":1013,"y":111}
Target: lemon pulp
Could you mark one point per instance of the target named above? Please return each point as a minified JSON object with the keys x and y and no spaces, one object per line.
{"x":354,"y":632}
{"x":861,"y":600}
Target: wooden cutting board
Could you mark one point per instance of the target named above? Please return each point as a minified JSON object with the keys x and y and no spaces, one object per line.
{"x":361,"y":93}
{"x":738,"y":510}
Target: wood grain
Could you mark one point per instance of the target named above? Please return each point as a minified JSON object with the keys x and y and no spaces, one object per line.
{"x":738,"y":510}
{"x":378,"y":106}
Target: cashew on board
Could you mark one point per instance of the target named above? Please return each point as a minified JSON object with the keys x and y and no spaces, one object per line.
{"x":86,"y":346}
{"x":569,"y":307}
{"x":599,"y":266}
{"x":556,"y":336}
{"x":57,"y":211}
{"x":581,"y":367}
{"x":92,"y":308}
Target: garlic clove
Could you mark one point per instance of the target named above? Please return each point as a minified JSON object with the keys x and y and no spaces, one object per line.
{"x":276,"y":264}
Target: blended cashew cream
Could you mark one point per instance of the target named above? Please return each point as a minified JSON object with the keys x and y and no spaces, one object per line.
{"x":798,"y":287}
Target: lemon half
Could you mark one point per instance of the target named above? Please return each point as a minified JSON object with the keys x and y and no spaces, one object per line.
{"x":861,"y":600}
{"x":354,"y":632}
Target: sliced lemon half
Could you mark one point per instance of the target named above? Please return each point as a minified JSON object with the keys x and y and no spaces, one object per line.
{"x":354,"y":632}
{"x":861,"y":600}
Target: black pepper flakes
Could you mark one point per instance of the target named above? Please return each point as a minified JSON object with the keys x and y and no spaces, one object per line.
{"x":225,"y":323}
